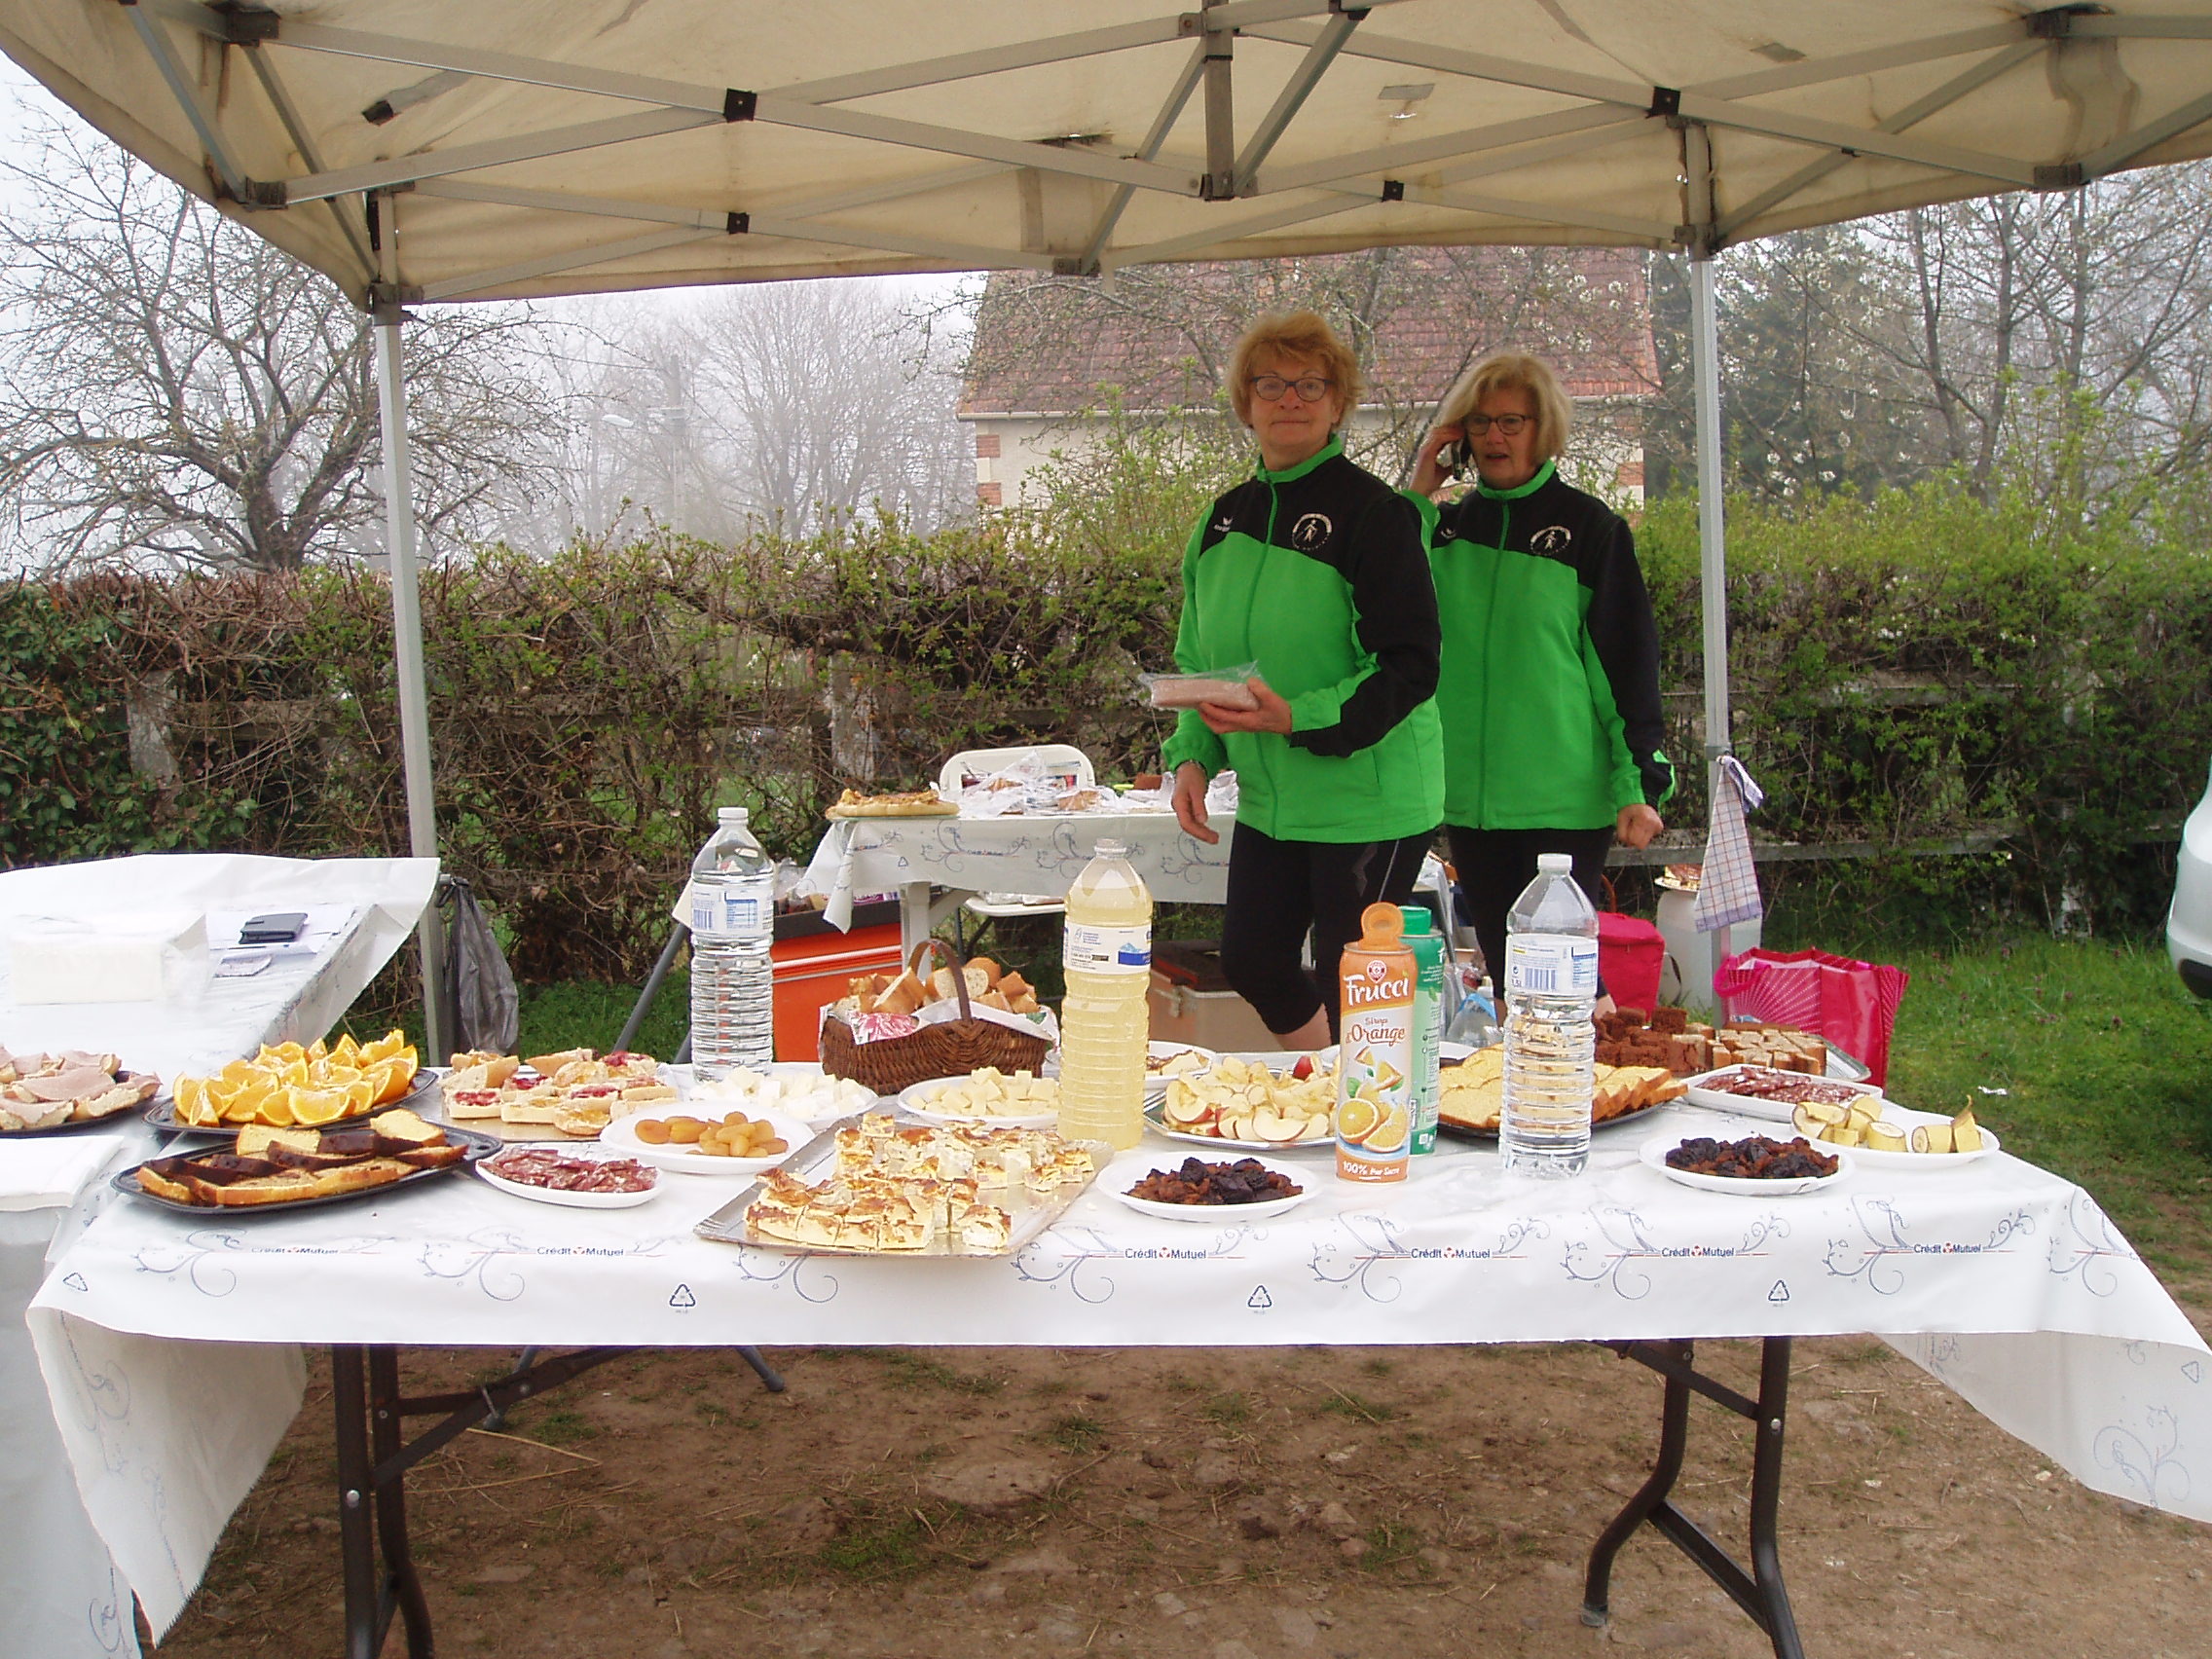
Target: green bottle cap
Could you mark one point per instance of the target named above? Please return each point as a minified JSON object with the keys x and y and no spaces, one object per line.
{"x":1419,"y":918}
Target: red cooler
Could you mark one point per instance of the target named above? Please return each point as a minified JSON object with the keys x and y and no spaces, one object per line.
{"x":815,"y":963}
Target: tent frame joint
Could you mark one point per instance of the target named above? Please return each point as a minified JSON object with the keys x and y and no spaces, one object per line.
{"x":386,"y":300}
{"x":1666,"y":101}
{"x":738,"y":225}
{"x":2056,"y":22}
{"x":738,"y":105}
{"x":1393,"y":189}
{"x":246,"y":22}
{"x":2063,"y":176}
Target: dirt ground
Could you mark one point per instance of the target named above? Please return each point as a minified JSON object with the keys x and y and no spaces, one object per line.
{"x":1342,"y":1504}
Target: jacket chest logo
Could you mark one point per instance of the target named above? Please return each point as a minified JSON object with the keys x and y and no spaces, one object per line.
{"x":1310,"y":532}
{"x":1551,"y":540}
{"x":1223,"y":525}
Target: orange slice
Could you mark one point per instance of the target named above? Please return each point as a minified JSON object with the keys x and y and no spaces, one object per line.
{"x":317,"y":1050}
{"x":275,"y":1109}
{"x":346,"y":1052}
{"x":235,"y":1073}
{"x":391,"y":1079}
{"x":233,"y":1105}
{"x":1356,"y":1120}
{"x":1389,"y":1131}
{"x":314,"y":1106}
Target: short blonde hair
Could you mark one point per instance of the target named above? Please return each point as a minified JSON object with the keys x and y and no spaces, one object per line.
{"x":1514,"y":371}
{"x":1300,"y":334}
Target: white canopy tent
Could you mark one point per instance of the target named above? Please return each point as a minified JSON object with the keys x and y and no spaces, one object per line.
{"x":420,"y":152}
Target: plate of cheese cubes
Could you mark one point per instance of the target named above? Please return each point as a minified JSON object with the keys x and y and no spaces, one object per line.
{"x":1018,"y":1100}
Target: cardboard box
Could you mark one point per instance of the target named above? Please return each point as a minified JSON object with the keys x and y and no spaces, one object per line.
{"x":1191,"y":1001}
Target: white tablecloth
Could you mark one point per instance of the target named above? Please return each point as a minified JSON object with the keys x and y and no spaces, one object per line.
{"x":61,"y":1595}
{"x":1012,"y":855}
{"x":2005,"y":1281}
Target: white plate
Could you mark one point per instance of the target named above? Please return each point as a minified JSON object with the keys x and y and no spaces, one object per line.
{"x":622,"y":1134}
{"x":1302,"y":1177}
{"x":1703,"y":1094}
{"x":822,"y":1111}
{"x":915,"y":1099}
{"x":1654,"y":1157}
{"x":1159,"y":1126}
{"x":572,"y":1201}
{"x":1933,"y":1162}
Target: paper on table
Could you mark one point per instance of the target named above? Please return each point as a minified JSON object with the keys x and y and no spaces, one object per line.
{"x":51,"y":1171}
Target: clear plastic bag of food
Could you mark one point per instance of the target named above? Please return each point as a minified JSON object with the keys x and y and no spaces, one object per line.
{"x":1229,"y":687}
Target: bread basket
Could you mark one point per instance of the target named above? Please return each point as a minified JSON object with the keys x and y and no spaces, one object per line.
{"x":952,"y":1047}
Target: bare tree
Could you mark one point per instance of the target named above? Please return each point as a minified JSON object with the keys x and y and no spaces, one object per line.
{"x":173,"y":387}
{"x":783,"y":404}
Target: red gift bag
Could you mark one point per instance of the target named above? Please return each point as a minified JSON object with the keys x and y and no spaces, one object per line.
{"x":1851,"y":1004}
{"x":1630,"y":954}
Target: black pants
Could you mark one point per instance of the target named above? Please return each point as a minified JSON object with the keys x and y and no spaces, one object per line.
{"x":1279,"y":888}
{"x":1494,"y":864}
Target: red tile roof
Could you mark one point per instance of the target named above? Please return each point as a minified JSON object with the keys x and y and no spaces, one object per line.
{"x":1160,"y":333}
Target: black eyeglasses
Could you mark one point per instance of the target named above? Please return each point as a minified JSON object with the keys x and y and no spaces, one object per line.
{"x":1510,"y":424}
{"x":1269,"y":388}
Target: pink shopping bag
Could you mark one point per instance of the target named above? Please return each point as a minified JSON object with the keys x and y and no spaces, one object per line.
{"x":1851,"y":1004}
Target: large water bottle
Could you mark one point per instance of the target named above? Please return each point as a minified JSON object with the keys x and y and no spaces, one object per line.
{"x":1107,"y":954}
{"x":1551,"y":986}
{"x":733,"y":923}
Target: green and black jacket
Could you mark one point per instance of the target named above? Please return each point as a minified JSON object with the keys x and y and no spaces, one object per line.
{"x":1316,"y":573}
{"x":1550,"y":682}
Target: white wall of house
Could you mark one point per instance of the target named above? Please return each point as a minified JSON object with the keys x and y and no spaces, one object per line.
{"x":1011,"y":447}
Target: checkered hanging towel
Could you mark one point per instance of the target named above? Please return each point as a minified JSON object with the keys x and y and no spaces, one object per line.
{"x":1728,"y":889}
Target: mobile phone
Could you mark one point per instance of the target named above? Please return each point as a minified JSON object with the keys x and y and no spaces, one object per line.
{"x":280,"y":928}
{"x":1455,"y":458}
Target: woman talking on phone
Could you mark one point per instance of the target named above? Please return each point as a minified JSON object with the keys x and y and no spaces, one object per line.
{"x":1313,"y":568}
{"x":1549,"y":688}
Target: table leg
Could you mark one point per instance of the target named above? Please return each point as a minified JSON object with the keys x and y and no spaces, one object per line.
{"x":1760,"y":1592}
{"x":372,"y":1476}
{"x":356,"y":1545}
{"x":913,"y":917}
{"x":400,"y":1580}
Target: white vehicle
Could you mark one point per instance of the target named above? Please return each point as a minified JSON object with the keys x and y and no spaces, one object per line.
{"x":2188,"y":924}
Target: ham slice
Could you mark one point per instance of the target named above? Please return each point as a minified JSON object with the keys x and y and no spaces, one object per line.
{"x":78,"y":1083}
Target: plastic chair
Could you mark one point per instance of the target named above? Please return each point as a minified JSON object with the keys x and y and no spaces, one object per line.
{"x":979,"y":762}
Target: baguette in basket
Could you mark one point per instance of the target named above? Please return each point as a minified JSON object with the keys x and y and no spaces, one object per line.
{"x":880,"y":1037}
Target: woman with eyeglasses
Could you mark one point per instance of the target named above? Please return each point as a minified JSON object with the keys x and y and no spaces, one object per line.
{"x":1313,"y":568}
{"x":1550,"y":682}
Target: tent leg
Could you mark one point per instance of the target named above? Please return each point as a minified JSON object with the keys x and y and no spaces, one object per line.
{"x":407,"y":638}
{"x":1712,"y":554}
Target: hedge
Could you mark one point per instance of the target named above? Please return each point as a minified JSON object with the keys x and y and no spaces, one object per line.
{"x":1912,"y":670}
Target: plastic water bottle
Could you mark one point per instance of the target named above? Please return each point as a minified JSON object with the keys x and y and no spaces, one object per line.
{"x":1551,"y":986}
{"x":1428,"y":947}
{"x":733,"y":923}
{"x":1107,"y":1014}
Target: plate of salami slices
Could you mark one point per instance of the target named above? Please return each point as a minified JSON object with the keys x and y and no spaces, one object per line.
{"x":581,"y":1177}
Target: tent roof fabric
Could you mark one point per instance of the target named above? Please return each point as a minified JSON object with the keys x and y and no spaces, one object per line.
{"x":539,"y":147}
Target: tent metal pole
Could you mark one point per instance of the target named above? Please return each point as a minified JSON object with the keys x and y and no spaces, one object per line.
{"x":1713,"y":550}
{"x":407,"y":641}
{"x":1712,"y":556}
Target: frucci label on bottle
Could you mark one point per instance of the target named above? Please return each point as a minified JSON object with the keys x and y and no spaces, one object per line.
{"x":1089,"y":950}
{"x":1374,"y":1065}
{"x":1551,"y":965}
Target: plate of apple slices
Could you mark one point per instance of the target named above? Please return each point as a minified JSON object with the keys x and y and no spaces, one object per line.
{"x":1245,"y":1102}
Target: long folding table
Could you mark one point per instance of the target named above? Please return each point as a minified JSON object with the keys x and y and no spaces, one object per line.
{"x":62,"y":1593}
{"x":171,"y":1345}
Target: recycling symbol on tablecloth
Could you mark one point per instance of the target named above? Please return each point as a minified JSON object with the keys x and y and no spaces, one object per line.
{"x":1780,"y":1291}
{"x":75,"y":1282}
{"x":2193,"y":1370}
{"x":1260,"y":1301}
{"x":684,"y":1298}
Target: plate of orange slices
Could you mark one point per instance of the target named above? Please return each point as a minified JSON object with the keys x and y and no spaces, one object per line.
{"x":288,"y":1085}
